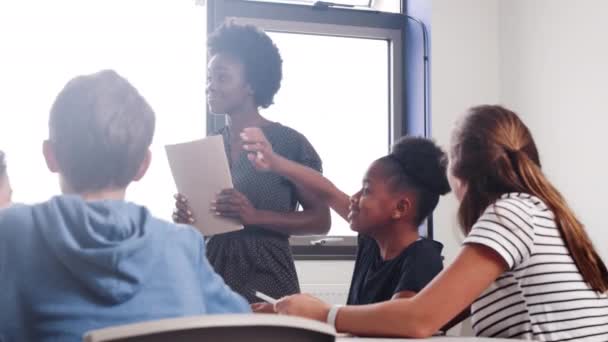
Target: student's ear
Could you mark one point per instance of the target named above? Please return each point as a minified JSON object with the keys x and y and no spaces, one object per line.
{"x":402,"y":208}
{"x":48,"y":150}
{"x":143,"y":167}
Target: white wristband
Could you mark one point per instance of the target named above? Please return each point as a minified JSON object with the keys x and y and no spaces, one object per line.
{"x":331,"y":315}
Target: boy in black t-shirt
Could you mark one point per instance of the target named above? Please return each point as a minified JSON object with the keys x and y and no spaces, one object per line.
{"x":399,"y":191}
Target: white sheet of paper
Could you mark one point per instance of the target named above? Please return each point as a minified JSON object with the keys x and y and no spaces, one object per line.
{"x":200,"y":170}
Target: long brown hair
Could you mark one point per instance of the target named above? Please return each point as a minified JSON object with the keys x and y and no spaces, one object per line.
{"x":493,"y":153}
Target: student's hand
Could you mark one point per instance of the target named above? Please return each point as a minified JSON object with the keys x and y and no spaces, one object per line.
{"x":263,"y":308}
{"x":303,"y":305}
{"x":233,"y":204}
{"x":182,"y":212}
{"x":260,"y":150}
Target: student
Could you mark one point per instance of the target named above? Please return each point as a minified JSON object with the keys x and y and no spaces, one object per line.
{"x":6,"y":191}
{"x":398,"y":192}
{"x":88,"y":259}
{"x":244,"y":74}
{"x":527,"y":266}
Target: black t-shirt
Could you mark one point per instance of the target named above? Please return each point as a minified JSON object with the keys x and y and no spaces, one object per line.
{"x":376,"y":280}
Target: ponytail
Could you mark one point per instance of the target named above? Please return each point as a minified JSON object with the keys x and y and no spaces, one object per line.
{"x":589,"y":263}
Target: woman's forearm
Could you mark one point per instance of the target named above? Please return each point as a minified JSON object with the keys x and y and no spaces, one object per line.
{"x":394,"y":318}
{"x":314,"y":182}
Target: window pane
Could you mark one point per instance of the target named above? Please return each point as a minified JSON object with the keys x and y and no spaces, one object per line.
{"x":158,"y":45}
{"x":391,"y":6}
{"x":362,"y":3}
{"x":335,"y":91}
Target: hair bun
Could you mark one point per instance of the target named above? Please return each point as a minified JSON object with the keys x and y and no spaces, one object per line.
{"x":424,"y":162}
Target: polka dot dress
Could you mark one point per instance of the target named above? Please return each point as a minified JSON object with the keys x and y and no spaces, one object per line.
{"x":257,"y":259}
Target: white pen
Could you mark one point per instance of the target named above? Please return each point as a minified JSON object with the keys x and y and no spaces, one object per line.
{"x":266,"y":298}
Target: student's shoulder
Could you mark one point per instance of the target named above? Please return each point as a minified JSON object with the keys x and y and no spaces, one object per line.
{"x":427,"y":250}
{"x":17,"y":224}
{"x":513,"y":210}
{"x":16,"y":217}
{"x":516,"y":202}
{"x":16,"y":210}
{"x":423,"y":258}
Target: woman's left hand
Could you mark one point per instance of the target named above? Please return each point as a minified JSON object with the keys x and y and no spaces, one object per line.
{"x":233,"y":204}
{"x":303,"y":305}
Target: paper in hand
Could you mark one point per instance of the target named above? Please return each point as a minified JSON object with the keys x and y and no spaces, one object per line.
{"x":200,"y":170}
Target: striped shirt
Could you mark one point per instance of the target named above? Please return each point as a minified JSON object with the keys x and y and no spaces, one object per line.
{"x":542,"y":296}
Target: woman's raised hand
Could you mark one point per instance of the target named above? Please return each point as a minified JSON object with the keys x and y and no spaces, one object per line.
{"x":259,"y":150}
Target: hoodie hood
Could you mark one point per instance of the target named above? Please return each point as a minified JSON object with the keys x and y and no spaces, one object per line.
{"x":109,"y":246}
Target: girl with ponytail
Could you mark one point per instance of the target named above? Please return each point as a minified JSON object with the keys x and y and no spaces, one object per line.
{"x":527,"y":267}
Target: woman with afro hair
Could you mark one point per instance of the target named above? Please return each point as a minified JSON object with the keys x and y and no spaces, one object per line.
{"x":244,"y":73}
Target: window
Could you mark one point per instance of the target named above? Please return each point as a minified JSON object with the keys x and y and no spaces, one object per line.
{"x":358,"y":3}
{"x":337,"y":82}
{"x":393,"y":6}
{"x":343,"y":88}
{"x":158,"y":45}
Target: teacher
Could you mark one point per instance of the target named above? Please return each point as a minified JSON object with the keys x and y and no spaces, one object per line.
{"x":244,"y":73}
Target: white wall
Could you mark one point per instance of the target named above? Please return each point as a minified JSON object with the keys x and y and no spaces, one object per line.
{"x":329,"y":280}
{"x":555,"y":68}
{"x":548,"y":60}
{"x":465,"y":70}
